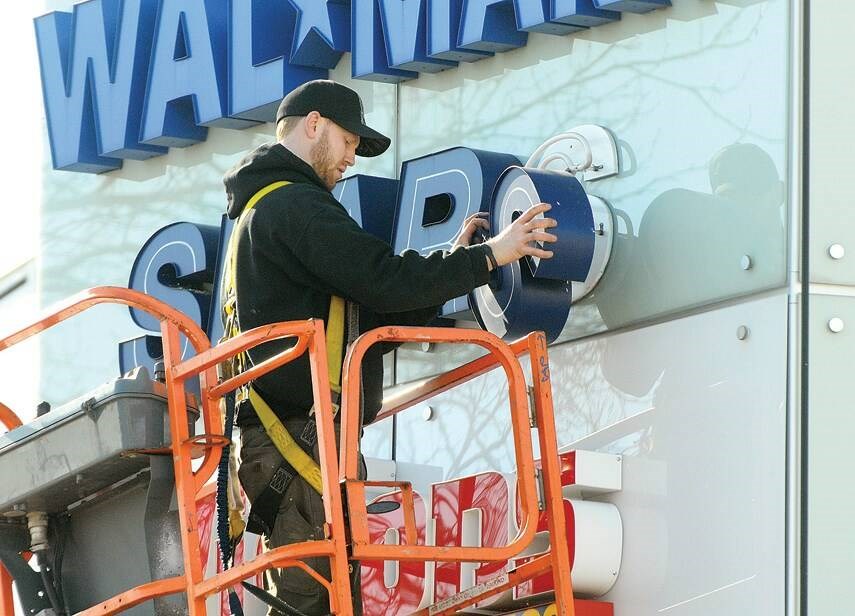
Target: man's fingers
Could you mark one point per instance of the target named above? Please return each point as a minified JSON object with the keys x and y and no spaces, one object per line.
{"x":538,"y":252}
{"x":540,"y":223}
{"x":534,"y":211}
{"x":541,"y":236}
{"x":475,"y":221}
{"x":473,"y":225}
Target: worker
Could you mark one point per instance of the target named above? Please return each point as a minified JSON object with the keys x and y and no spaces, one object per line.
{"x":296,"y":249}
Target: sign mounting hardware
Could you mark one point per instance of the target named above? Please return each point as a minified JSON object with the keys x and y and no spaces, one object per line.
{"x":588,"y":151}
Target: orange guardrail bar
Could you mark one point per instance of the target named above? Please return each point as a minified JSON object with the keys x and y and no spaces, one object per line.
{"x":8,"y":417}
{"x":309,"y":336}
{"x":430,"y":387}
{"x":188,"y":483}
{"x":504,"y":356}
{"x":7,"y":604}
{"x":544,"y":415}
{"x":362,"y":548}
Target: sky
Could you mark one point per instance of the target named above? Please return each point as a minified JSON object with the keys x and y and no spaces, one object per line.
{"x":23,"y":112}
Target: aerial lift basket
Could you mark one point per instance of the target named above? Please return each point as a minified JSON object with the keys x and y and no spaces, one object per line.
{"x":343,"y":493}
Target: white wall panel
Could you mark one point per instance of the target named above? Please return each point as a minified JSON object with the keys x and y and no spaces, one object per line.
{"x":698,"y":417}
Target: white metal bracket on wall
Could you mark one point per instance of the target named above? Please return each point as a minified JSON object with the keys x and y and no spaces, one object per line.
{"x":588,"y":152}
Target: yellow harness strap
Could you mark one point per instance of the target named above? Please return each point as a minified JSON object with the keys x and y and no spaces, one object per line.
{"x":284,"y":442}
{"x":335,"y":343}
{"x":290,"y":450}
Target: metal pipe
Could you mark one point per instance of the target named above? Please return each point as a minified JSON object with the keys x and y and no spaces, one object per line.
{"x":796,"y":289}
{"x":37,"y":523}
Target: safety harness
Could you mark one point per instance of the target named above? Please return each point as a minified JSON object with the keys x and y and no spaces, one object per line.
{"x":296,"y":457}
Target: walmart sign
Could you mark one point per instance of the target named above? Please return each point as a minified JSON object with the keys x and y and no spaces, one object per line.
{"x":132,"y":78}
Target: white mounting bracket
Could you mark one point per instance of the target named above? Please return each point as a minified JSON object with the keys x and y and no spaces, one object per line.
{"x":588,"y":151}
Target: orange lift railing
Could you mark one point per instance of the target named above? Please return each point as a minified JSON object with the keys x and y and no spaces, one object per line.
{"x":557,"y":559}
{"x":341,"y":489}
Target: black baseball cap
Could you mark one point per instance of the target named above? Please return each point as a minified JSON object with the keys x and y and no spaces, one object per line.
{"x":339,"y":104}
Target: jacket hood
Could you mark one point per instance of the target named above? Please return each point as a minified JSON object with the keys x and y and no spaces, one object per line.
{"x":271,"y":162}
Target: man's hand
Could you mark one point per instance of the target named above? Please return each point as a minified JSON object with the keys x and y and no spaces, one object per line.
{"x":519,"y":238}
{"x":478,"y":220}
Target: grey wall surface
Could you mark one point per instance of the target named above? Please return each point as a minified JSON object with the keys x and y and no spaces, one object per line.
{"x":830,"y":427}
{"x":830,"y":431}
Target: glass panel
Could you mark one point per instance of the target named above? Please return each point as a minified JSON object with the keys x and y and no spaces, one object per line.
{"x":696,"y":97}
{"x":697,"y":103}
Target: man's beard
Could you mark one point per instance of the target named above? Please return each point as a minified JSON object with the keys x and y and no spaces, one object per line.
{"x":322,"y":160}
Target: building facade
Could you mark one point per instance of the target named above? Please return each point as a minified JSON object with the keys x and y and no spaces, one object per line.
{"x":711,"y":357}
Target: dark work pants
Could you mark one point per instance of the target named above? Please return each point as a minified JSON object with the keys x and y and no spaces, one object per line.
{"x":300,"y":518}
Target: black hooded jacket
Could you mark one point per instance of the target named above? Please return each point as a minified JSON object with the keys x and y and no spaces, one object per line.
{"x":299,"y":246}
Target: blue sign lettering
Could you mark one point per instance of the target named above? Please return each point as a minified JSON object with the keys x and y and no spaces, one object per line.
{"x":632,"y":6}
{"x":144,"y":351}
{"x":498,"y":25}
{"x":260,"y":73}
{"x":437,"y":193}
{"x":370,"y":60}
{"x":370,"y":201}
{"x":94,"y":65}
{"x":184,"y":82}
{"x":321,"y":33}
{"x":530,"y":294}
{"x":580,"y":14}
{"x":443,"y":28}
{"x":176,"y":265}
{"x":393,"y":41}
{"x":128,"y":78}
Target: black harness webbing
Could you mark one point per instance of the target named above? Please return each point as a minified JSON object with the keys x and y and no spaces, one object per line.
{"x":265,"y":507}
